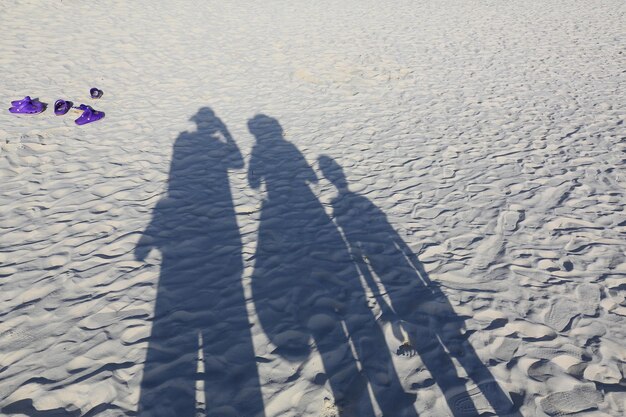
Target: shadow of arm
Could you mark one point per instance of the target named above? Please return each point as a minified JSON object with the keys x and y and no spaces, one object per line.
{"x":144,"y":246}
{"x":254,"y":171}
{"x":234,"y":155}
{"x":412,"y":259}
{"x":148,"y":239}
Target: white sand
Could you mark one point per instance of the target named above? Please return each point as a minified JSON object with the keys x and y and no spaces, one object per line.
{"x":490,"y":133}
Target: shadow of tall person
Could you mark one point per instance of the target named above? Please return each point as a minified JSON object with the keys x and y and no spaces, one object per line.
{"x":200,"y":310}
{"x":305,"y":285}
{"x":413,"y":301}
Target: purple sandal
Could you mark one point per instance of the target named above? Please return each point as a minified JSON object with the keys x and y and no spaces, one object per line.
{"x":27,"y":106}
{"x":89,"y":115}
{"x":61,"y":107}
{"x":95,"y":93}
{"x":18,"y":103}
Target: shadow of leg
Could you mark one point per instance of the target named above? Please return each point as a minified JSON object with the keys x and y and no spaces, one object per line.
{"x":168,"y":385}
{"x":376,"y":361}
{"x":346,"y":381}
{"x":486,"y":385}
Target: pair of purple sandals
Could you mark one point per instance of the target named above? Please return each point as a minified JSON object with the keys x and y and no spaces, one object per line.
{"x":61,"y":107}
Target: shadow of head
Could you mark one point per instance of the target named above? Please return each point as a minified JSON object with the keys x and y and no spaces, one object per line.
{"x":264,"y":127}
{"x":333,"y":172}
{"x":206,"y":119}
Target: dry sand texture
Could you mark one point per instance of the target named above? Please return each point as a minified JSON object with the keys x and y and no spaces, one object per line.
{"x":425,"y":217}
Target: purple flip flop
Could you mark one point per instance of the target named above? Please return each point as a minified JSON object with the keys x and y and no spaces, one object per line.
{"x":89,"y":115}
{"x":27,"y":106}
{"x":61,"y":107}
{"x":96,"y":93}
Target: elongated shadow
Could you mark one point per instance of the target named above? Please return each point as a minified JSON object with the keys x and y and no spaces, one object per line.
{"x":200,"y":309}
{"x":415,"y":304}
{"x":306,"y":288}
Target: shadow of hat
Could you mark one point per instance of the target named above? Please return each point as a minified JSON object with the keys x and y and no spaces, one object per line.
{"x":203,"y":115}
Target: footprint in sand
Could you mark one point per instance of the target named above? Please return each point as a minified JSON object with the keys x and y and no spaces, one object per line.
{"x":589,"y":298}
{"x":16,"y":339}
{"x":510,"y":220}
{"x":581,"y":398}
{"x":542,"y":370}
{"x":561,"y":313}
{"x":548,"y":352}
{"x":467,"y":403}
{"x":506,"y":348}
{"x":603,"y":374}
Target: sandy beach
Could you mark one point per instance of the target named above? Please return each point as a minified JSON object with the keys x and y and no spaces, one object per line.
{"x":314,"y":209}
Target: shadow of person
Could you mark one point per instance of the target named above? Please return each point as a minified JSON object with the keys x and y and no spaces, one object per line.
{"x":200,"y":312}
{"x":306,"y":286}
{"x":414,"y":302}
